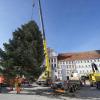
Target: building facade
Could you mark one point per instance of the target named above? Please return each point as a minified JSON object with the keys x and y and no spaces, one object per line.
{"x":53,"y":63}
{"x":65,"y":64}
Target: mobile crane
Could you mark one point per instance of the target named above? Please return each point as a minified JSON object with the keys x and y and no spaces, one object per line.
{"x":94,"y":77}
{"x":46,"y":75}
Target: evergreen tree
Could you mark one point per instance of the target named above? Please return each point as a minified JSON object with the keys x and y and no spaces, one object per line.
{"x":24,"y":52}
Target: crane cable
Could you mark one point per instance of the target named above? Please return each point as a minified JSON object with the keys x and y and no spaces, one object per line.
{"x":33,"y":4}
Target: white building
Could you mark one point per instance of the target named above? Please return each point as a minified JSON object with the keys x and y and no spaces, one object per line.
{"x":65,"y":64}
{"x":53,"y":62}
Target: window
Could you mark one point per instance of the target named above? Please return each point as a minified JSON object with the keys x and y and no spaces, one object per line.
{"x":91,"y":60}
{"x":60,"y":67}
{"x":55,"y":70}
{"x":68,"y":72}
{"x":96,"y":60}
{"x":87,"y":60}
{"x":82,"y":66}
{"x":67,"y":66}
{"x":52,"y":66}
{"x":51,"y":60}
{"x":73,"y":66}
{"x":67,"y":62}
{"x":54,"y":59}
{"x":55,"y":65}
{"x":59,"y":72}
{"x":70,"y":66}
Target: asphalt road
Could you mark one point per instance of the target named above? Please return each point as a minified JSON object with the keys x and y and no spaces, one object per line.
{"x":87,"y":92}
{"x":42,"y":93}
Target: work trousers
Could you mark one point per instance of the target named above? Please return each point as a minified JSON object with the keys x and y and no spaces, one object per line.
{"x":0,"y":87}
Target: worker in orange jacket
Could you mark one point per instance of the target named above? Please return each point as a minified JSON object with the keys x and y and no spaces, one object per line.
{"x":18,"y":82}
{"x":1,"y":82}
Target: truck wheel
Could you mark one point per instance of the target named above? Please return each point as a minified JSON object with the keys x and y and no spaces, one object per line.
{"x":91,"y":84}
{"x":71,"y":90}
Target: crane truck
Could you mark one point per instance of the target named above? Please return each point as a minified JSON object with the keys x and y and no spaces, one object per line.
{"x":45,"y":77}
{"x":94,"y":77}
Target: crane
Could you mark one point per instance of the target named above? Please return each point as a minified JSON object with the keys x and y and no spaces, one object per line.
{"x":94,"y":77}
{"x":47,"y":72}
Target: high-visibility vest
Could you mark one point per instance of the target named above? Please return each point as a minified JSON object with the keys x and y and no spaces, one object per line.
{"x":1,"y":79}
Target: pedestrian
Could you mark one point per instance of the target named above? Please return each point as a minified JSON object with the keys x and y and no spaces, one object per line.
{"x":18,"y":81}
{"x":83,"y":80}
{"x":11,"y":82}
{"x":1,"y":82}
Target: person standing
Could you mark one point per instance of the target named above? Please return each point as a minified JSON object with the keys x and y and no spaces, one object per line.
{"x":11,"y":82}
{"x":1,"y":82}
{"x":18,"y":82}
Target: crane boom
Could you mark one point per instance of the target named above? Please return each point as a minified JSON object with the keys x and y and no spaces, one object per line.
{"x":47,"y":73}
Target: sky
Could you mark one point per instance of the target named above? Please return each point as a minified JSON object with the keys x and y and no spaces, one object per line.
{"x":70,"y":25}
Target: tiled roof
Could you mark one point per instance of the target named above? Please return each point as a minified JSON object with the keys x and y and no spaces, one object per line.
{"x":79,"y":56}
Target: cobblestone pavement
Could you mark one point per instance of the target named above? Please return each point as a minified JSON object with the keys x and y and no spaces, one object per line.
{"x":41,"y":93}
